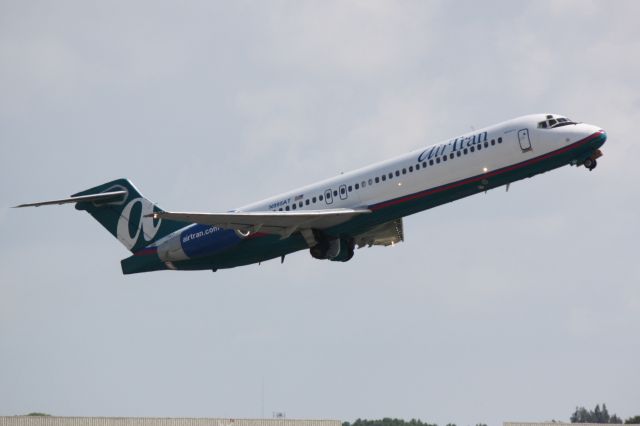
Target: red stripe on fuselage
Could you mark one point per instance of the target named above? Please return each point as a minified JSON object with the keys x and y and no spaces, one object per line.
{"x":146,"y":251}
{"x":484,"y":175}
{"x":257,"y":235}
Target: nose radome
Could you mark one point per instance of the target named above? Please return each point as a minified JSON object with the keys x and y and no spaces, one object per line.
{"x":602,"y":137}
{"x":597,"y":135}
{"x":592,"y":130}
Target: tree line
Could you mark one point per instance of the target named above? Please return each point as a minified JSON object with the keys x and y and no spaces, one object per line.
{"x":600,"y":415}
{"x":580,"y":415}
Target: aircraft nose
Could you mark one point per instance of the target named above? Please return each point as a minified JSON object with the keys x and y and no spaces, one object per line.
{"x":597,"y":136}
{"x":603,"y":135}
{"x":600,"y":134}
{"x":596,"y":132}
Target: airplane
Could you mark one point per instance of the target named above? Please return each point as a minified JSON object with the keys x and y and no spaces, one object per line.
{"x":331,"y":218}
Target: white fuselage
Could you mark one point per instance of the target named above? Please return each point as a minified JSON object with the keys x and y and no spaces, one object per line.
{"x":501,"y":145}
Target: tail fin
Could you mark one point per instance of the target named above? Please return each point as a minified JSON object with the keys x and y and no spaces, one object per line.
{"x":125,"y":217}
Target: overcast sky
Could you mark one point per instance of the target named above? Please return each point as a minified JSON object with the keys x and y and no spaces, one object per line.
{"x":504,"y":306}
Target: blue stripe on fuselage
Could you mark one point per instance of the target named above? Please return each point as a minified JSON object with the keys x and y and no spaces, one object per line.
{"x":203,"y":240}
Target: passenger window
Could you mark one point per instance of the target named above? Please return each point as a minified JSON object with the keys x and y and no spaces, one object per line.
{"x":486,"y":144}
{"x":466,"y":151}
{"x":320,"y":197}
{"x":398,"y":172}
{"x":313,"y":200}
{"x":431,"y":162}
{"x":335,"y":193}
{"x":418,"y":166}
{"x":471,"y":149}
{"x":357,"y":186}
{"x":371,"y":182}
{"x":306,"y":201}
{"x":438,"y":160}
{"x":384,"y":177}
{"x":458,"y":153}
{"x":410,"y":169}
{"x":377,"y":179}
{"x":499,"y":140}
{"x":342,"y":190}
{"x":493,"y":142}
{"x":287,"y":208}
{"x":390,"y":175}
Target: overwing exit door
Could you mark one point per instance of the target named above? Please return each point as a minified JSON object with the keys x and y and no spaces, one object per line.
{"x":328,"y":198}
{"x":343,"y":192}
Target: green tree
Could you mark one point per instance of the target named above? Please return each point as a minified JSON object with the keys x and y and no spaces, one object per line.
{"x":387,"y":421}
{"x":39,"y":414}
{"x":635,"y":420}
{"x":597,"y":415}
{"x":581,"y":415}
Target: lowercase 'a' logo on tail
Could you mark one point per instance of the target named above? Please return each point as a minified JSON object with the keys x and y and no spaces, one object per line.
{"x":144,"y":224}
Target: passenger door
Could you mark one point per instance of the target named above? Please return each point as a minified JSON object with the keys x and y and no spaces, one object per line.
{"x":523,"y":140}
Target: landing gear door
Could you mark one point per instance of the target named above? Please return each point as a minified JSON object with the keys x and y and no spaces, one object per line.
{"x":523,"y":139}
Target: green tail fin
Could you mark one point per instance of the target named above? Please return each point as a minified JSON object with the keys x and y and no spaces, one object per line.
{"x":125,"y":217}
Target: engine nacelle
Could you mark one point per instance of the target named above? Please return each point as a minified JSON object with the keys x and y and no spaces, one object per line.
{"x":197,"y":241}
{"x":345,"y":250}
{"x":335,"y":249}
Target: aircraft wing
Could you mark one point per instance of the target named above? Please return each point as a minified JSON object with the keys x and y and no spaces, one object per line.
{"x":270,"y":222}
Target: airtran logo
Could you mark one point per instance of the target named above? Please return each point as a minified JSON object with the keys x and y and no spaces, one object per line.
{"x":452,"y":146}
{"x":133,"y":222}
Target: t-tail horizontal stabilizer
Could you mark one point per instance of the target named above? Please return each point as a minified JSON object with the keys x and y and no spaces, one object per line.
{"x":102,"y":197}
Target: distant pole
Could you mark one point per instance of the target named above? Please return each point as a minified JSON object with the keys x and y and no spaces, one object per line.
{"x":262,"y":400}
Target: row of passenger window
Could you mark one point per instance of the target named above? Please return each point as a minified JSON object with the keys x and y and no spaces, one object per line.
{"x":371,"y":181}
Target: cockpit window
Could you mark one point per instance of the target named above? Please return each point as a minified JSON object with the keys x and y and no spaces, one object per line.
{"x":552,"y":122}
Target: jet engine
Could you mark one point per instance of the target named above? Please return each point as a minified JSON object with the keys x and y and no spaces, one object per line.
{"x":335,"y":249}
